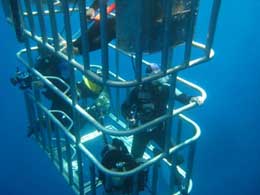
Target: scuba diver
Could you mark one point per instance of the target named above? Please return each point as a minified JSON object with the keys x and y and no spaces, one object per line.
{"x":146,"y":103}
{"x":115,"y":156}
{"x":94,"y":34}
{"x":55,"y":68}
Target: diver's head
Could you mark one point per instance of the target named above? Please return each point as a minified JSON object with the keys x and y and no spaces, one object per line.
{"x":152,"y":68}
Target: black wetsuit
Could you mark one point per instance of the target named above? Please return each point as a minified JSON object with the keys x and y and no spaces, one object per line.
{"x":148,"y":102}
{"x":50,"y":65}
{"x":94,"y":35}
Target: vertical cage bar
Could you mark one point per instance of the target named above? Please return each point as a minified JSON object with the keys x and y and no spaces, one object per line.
{"x":104,"y":43}
{"x":49,"y":136}
{"x":167,"y":7}
{"x":212,"y":25}
{"x":30,"y":114}
{"x":67,"y":25}
{"x":41,"y":21}
{"x":54,"y":28}
{"x":69,"y":160}
{"x":73,"y":93}
{"x":6,"y":8}
{"x":59,"y":151}
{"x":28,"y":8}
{"x":117,"y":59}
{"x":173,"y":171}
{"x":138,"y":41}
{"x":155,"y":179}
{"x":189,"y":167}
{"x":190,"y":32}
{"x":37,"y":95}
{"x":17,"y":19}
{"x":84,"y":34}
{"x":179,"y":131}
{"x":171,"y":102}
{"x":92,"y":178}
{"x":135,"y":184}
{"x":30,"y":61}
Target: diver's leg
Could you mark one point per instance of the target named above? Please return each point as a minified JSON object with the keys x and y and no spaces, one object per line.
{"x":94,"y":37}
{"x":140,"y":141}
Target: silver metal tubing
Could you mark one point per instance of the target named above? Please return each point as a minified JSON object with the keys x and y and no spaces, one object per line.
{"x":37,"y":95}
{"x":191,"y":156}
{"x":61,"y":81}
{"x":67,"y":25}
{"x":167,"y":7}
{"x":103,"y":34}
{"x":92,"y":178}
{"x":49,"y":130}
{"x":130,"y":83}
{"x":30,"y":113}
{"x":135,"y":184}
{"x":73,"y":92}
{"x":30,"y":17}
{"x":212,"y":25}
{"x":170,"y":109}
{"x":121,"y":132}
{"x":138,"y":41}
{"x":190,"y":32}
{"x":60,"y":159}
{"x":148,"y":163}
{"x":66,"y":116}
{"x":41,"y":21}
{"x":155,"y":178}
{"x":54,"y":28}
{"x":47,"y":12}
{"x":84,"y":33}
{"x":69,"y":161}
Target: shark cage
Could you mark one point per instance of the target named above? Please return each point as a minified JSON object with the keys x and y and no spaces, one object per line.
{"x":83,"y":60}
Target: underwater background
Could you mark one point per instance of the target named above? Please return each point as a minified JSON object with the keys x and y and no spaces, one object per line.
{"x":228,"y":153}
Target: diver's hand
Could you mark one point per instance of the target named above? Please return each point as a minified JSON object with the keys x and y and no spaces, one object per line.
{"x":198,"y":99}
{"x":90,"y":13}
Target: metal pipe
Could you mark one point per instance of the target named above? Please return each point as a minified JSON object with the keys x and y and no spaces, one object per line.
{"x":139,"y":41}
{"x":30,"y":16}
{"x":155,"y":179}
{"x":84,"y":34}
{"x":59,"y":152}
{"x":41,"y":21}
{"x":73,"y":91}
{"x":190,"y":32}
{"x":37,"y":95}
{"x":30,"y":114}
{"x":92,"y":178}
{"x":103,"y":34}
{"x":190,"y":161}
{"x":168,"y":123}
{"x":69,"y":161}
{"x":167,"y":7}
{"x":54,"y":28}
{"x":49,"y":130}
{"x":121,"y":132}
{"x":130,"y":83}
{"x":212,"y":25}
{"x":17,"y":19}
{"x":137,"y":169}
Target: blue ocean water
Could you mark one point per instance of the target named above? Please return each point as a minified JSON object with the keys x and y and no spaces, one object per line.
{"x":228,"y":154}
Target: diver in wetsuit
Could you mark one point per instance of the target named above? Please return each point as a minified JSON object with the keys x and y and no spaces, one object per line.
{"x":51,"y":65}
{"x":146,"y":103}
{"x":94,"y":35}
